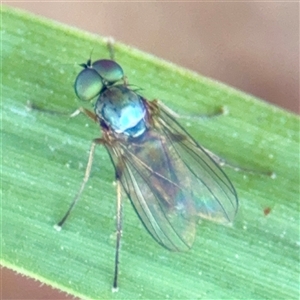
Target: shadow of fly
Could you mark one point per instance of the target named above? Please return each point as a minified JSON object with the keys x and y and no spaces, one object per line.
{"x":169,"y":178}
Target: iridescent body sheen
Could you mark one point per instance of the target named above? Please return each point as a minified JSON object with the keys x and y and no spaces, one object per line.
{"x":122,"y":110}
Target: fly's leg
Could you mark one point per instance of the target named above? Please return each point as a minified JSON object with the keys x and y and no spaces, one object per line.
{"x":223,"y":110}
{"x":91,"y":115}
{"x":110,"y":47}
{"x":119,"y":235}
{"x":110,"y":42}
{"x":85,"y":111}
{"x":32,"y":106}
{"x":223,"y":163}
{"x":85,"y":180}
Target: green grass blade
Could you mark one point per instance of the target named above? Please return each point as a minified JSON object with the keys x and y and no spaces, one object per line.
{"x":44,"y":156}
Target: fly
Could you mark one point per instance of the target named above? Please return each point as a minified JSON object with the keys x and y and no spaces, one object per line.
{"x":169,"y":178}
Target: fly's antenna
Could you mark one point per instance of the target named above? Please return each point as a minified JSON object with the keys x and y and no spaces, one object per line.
{"x":89,"y":61}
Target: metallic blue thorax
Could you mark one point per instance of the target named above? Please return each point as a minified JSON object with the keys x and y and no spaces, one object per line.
{"x":122,"y":110}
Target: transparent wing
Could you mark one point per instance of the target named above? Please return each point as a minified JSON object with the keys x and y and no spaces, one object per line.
{"x":150,"y":178}
{"x":172,"y":182}
{"x":214,"y":195}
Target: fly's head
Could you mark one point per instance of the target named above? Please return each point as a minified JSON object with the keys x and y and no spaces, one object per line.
{"x":117,"y":107}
